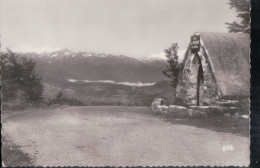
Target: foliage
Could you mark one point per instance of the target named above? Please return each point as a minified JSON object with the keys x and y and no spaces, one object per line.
{"x":243,"y":9}
{"x":20,"y":83}
{"x":61,"y":100}
{"x":174,"y":67}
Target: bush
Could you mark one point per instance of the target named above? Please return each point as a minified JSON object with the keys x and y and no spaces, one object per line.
{"x":61,"y":100}
{"x":21,"y":86}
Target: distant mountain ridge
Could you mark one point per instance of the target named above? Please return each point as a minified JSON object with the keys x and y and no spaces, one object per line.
{"x":65,"y":64}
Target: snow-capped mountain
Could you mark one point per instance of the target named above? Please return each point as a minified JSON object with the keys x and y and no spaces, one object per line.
{"x":65,"y":64}
{"x":150,"y":59}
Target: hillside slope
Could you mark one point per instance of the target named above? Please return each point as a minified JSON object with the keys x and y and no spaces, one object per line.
{"x":65,"y":64}
{"x":102,"y":79}
{"x":99,"y":93}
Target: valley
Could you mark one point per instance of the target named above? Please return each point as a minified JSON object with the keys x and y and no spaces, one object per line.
{"x":102,"y":79}
{"x":100,"y":93}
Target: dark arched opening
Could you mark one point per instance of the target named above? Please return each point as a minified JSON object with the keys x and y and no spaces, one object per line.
{"x":200,"y":83}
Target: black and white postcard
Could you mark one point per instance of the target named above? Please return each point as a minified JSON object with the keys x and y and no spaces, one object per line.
{"x":125,"y":82}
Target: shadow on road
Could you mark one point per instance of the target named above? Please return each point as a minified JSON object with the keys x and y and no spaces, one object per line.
{"x":219,"y":124}
{"x":12,"y":156}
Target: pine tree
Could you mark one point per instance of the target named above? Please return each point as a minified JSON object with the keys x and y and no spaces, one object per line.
{"x":173,"y":68}
{"x":19,"y":80}
{"x":10,"y":71}
{"x":31,"y":81}
{"x":243,"y":9}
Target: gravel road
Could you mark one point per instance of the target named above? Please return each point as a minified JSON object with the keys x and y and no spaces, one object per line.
{"x":118,"y":136}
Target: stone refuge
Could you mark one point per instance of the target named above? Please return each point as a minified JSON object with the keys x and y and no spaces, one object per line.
{"x":217,"y":76}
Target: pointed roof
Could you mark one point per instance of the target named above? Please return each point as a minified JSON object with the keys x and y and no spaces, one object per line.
{"x":229,"y":58}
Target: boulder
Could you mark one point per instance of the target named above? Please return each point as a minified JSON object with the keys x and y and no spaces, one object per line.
{"x":155,"y":105}
{"x":155,"y":109}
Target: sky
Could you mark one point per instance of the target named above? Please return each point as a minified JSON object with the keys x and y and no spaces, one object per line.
{"x":135,"y":28}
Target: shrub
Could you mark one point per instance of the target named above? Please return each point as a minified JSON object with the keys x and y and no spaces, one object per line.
{"x":21,"y":86}
{"x":61,"y":100}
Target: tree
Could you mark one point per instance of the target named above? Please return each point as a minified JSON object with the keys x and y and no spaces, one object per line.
{"x":243,"y":9}
{"x":31,"y":81}
{"x":174,"y":67}
{"x":20,"y":83}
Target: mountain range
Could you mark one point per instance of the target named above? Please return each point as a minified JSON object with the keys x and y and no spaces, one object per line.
{"x":102,"y":79}
{"x":65,"y":64}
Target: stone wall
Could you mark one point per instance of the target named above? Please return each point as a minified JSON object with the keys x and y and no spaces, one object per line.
{"x":187,"y":84}
{"x":176,"y":111}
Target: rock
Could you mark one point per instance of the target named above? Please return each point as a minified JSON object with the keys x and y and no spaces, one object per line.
{"x":155,"y":105}
{"x":155,"y":109}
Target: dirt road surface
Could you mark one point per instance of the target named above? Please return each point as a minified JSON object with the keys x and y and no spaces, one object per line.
{"x":118,"y":136}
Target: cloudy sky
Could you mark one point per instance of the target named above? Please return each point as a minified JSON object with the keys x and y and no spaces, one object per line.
{"x":136,"y":28}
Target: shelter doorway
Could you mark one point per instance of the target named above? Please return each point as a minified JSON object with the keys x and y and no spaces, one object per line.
{"x":197,"y":79}
{"x":200,"y":86}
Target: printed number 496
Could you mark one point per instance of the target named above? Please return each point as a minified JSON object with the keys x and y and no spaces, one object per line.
{"x":227,"y":148}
